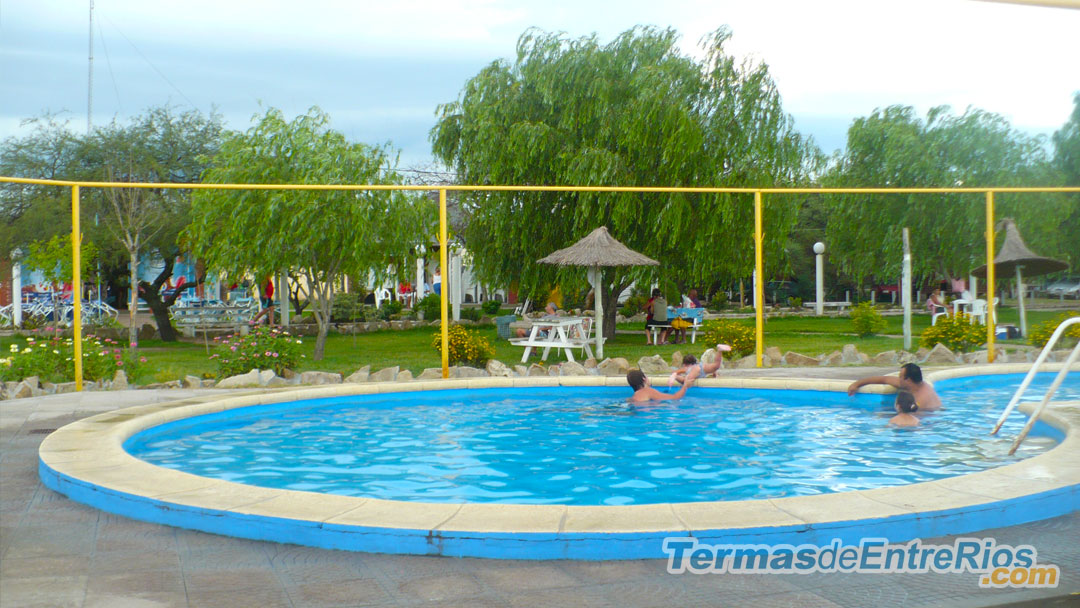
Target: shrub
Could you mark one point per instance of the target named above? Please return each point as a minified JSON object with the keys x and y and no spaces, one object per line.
{"x":389,"y":309}
{"x":718,"y":302}
{"x":466,"y":347}
{"x":736,"y":334}
{"x":957,"y":333}
{"x":633,"y":305}
{"x":1042,"y":332}
{"x":347,"y":307}
{"x":431,"y":306}
{"x":795,"y":302}
{"x":263,"y":348}
{"x":52,"y":359}
{"x":491,"y":307}
{"x":867,"y":320}
{"x":471,"y":314}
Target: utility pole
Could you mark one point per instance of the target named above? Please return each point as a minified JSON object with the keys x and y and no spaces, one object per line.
{"x":90,"y":78}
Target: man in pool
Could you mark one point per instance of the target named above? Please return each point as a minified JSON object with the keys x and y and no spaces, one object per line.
{"x":643,"y":391}
{"x":905,"y":408}
{"x":909,"y":379}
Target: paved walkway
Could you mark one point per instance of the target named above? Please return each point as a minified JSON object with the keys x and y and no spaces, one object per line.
{"x":58,"y":553}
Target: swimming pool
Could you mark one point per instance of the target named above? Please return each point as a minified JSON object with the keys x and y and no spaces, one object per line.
{"x":588,"y":446}
{"x":86,"y":461}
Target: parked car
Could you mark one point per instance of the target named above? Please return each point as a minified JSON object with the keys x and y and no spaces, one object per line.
{"x":1068,"y":287}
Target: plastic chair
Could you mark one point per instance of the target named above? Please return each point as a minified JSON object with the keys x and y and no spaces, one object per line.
{"x":936,"y":312}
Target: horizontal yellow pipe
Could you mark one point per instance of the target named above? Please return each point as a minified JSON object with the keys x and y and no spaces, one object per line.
{"x":667,"y":189}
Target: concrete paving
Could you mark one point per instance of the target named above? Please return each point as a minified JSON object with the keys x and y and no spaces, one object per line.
{"x":55,"y":552}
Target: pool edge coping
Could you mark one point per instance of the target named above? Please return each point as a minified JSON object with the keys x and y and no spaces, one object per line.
{"x":88,"y":456}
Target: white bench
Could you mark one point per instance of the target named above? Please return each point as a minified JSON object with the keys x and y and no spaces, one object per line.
{"x":839,"y":306}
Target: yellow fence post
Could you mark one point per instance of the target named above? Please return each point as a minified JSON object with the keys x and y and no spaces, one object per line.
{"x":991,"y":313}
{"x":76,"y":286}
{"x":444,"y":325}
{"x":759,"y":284}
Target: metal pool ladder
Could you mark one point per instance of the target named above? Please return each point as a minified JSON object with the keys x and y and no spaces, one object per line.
{"x":1031,"y":375}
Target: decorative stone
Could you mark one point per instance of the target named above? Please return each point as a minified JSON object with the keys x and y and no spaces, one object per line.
{"x":616,"y":366}
{"x":835,"y":358}
{"x":799,"y":360}
{"x":521,"y":370}
{"x":940,"y":355}
{"x":120,"y":381}
{"x":537,"y":370}
{"x":276,"y":381}
{"x":172,"y":384}
{"x":147,"y":332}
{"x":362,"y":374}
{"x":747,"y":362}
{"x":864,"y":358}
{"x":709,"y":356}
{"x":431,"y":373}
{"x":22,"y":391}
{"x":773,"y":352}
{"x":65,"y":387}
{"x":159,"y":385}
{"x":32,"y":381}
{"x":316,"y":377}
{"x":387,"y":374}
{"x":572,"y":368}
{"x":289,"y":374}
{"x":590,"y":363}
{"x":192,"y":381}
{"x":922,"y":352}
{"x":208,"y":383}
{"x":404,"y":376}
{"x":654,"y":366}
{"x":906,"y":357}
{"x":676,"y":359}
{"x":265,"y":376}
{"x":249,"y":379}
{"x":886,"y":358}
{"x":498,"y":369}
{"x":464,"y":371}
{"x":553,"y":370}
{"x":850,"y":355}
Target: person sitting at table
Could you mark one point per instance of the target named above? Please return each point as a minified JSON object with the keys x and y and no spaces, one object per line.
{"x":551,"y":310}
{"x":935,"y":302}
{"x":657,"y":315}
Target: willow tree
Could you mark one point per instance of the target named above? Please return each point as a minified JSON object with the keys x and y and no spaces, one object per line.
{"x":318,"y":235}
{"x":893,"y":147}
{"x":633,"y":112}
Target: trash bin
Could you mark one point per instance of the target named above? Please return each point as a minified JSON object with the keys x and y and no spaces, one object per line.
{"x":503,"y":325}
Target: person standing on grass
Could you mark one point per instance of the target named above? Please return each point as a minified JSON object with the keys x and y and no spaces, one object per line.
{"x":266,"y":298}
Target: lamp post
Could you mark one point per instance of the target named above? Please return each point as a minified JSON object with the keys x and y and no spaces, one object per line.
{"x":819,"y":306}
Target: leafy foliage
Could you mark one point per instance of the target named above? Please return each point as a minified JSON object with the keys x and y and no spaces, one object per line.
{"x":867,"y":320}
{"x":431,"y":306}
{"x":634,"y":305}
{"x":263,"y":348}
{"x":465,"y":347}
{"x":959,"y":333}
{"x":1041,"y":333}
{"x":51,"y":359}
{"x":635,"y":112}
{"x":491,"y":307}
{"x":347,"y":307}
{"x":736,"y":334}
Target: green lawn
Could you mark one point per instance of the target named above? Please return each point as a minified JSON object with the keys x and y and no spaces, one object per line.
{"x":412,"y":350}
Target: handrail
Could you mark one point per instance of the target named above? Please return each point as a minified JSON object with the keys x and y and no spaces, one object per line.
{"x":1034,"y":368}
{"x":1046,"y":399}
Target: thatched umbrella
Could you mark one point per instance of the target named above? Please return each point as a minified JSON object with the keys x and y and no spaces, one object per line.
{"x":1013,"y":257}
{"x":594,"y":251}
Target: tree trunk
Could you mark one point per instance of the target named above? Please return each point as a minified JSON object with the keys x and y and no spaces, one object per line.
{"x":320,"y":339}
{"x":133,"y":268}
{"x":151,"y":292}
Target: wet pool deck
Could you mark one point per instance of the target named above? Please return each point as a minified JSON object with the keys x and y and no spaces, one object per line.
{"x":55,"y":552}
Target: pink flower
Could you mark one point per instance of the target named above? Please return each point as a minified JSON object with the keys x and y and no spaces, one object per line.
{"x":232,"y":348}
{"x":119,"y":364}
{"x":117,"y":357}
{"x":132,"y":345}
{"x":142,"y":359}
{"x":116,"y":350}
{"x":275,"y":354}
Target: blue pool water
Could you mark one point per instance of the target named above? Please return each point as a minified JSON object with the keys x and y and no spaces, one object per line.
{"x":587,"y":446}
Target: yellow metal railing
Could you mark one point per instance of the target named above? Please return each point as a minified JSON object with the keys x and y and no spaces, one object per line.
{"x":759,"y":289}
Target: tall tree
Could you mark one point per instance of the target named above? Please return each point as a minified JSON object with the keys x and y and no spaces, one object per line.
{"x":633,"y":112}
{"x":160,"y":145}
{"x":320,"y":235}
{"x":1067,"y":162}
{"x":893,"y":147}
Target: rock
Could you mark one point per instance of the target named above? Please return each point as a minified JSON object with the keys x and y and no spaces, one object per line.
{"x":850,"y":355}
{"x":266,"y":376}
{"x":939,"y":355}
{"x":654,"y":366}
{"x":32,"y":382}
{"x":362,"y":374}
{"x":387,"y":374}
{"x":835,"y":358}
{"x":249,"y":379}
{"x":864,"y":359}
{"x":572,"y":368}
{"x":922,"y":353}
{"x":158,"y":385}
{"x":208,"y":383}
{"x":192,"y":381}
{"x":747,"y":362}
{"x":616,"y":366}
{"x":404,"y":376}
{"x":709,"y":356}
{"x":65,"y":387}
{"x":172,"y":384}
{"x":590,"y":363}
{"x":498,"y":369}
{"x":676,"y":359}
{"x":537,"y":370}
{"x":316,"y":377}
{"x":521,"y":370}
{"x":120,"y":381}
{"x":884,"y":359}
{"x":289,"y":374}
{"x":465,"y":371}
{"x":553,"y":370}
{"x":49,"y":388}
{"x":276,"y":381}
{"x":431,"y":373}
{"x":147,"y":332}
{"x":799,"y":360}
{"x":905,"y":357}
{"x":22,"y":391}
{"x":773,"y":352}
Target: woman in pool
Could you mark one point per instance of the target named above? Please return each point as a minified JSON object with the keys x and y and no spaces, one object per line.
{"x":905,"y":408}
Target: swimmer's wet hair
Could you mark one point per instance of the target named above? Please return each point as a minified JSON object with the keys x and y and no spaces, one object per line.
{"x":689,"y":360}
{"x":914,"y":372}
{"x":636,"y":379}
{"x":906,"y":401}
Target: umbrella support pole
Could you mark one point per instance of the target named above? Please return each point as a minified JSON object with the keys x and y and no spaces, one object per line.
{"x":1020,"y":301}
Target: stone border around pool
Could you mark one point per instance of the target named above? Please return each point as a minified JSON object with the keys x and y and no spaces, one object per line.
{"x":86,"y":461}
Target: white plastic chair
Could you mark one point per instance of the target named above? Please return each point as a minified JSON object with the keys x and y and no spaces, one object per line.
{"x":938,"y":311}
{"x":381,"y":294}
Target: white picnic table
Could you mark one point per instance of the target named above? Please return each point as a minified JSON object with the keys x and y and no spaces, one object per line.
{"x":566,"y":333}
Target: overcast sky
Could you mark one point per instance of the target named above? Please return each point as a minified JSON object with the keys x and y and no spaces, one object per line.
{"x":380,"y":68}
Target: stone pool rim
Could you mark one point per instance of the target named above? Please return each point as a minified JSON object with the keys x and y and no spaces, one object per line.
{"x":85,"y":460}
